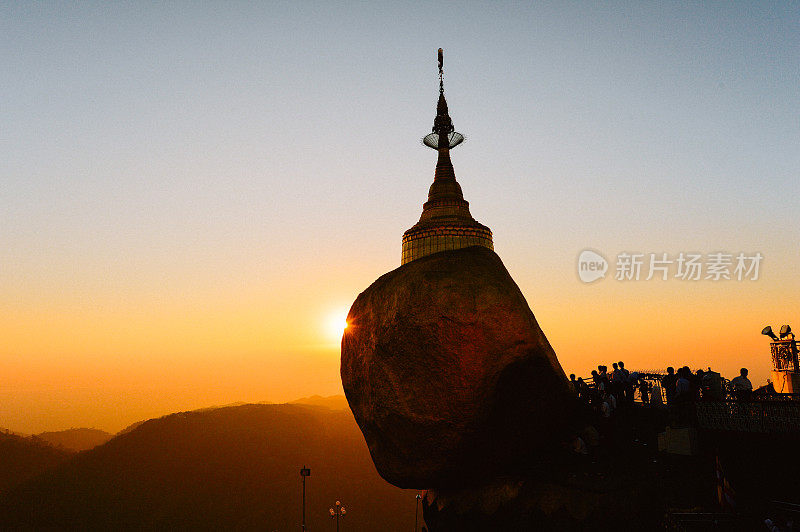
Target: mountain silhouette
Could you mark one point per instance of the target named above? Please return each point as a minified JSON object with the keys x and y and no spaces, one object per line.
{"x":225,"y":468}
{"x":76,"y":439}
{"x":131,"y":427}
{"x":334,"y":402}
{"x":22,"y":458}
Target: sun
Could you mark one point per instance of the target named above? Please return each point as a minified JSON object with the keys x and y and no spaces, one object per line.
{"x":336,"y":324}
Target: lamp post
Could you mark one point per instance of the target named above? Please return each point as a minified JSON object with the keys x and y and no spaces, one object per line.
{"x":337,"y":512}
{"x":416,"y":513}
{"x":304,"y":472}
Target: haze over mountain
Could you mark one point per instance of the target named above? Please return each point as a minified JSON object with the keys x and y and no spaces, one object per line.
{"x":334,"y":402}
{"x":231,"y":467}
{"x":81,"y":439}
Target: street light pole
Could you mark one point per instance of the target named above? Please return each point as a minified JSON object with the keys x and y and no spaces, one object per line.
{"x":336,"y":513}
{"x":416,"y":513}
{"x":304,"y":472}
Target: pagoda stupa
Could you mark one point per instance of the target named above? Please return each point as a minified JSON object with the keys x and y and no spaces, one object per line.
{"x":446,"y":223}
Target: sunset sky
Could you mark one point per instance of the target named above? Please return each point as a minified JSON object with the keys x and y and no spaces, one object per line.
{"x":191,"y":193}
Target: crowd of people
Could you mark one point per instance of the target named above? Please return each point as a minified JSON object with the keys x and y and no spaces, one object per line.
{"x":608,"y":391}
{"x":607,"y":395}
{"x":684,"y":386}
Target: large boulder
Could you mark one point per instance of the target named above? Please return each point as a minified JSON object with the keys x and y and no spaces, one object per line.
{"x":449,"y":376}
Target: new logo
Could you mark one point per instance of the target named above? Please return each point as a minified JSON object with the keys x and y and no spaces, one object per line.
{"x":591,"y":266}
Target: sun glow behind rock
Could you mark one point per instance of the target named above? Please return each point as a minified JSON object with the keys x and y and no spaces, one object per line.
{"x":336,"y":324}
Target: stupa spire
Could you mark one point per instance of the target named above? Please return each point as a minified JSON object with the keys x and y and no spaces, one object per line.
{"x":442,"y":124}
{"x":443,"y":135}
{"x":445,"y":223}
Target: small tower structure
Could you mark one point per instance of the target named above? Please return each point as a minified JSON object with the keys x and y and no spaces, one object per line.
{"x":785,"y":365}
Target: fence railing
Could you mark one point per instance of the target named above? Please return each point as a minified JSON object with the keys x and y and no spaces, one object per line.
{"x":769,"y":416}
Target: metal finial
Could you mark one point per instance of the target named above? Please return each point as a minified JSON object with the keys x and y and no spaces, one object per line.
{"x":441,"y":71}
{"x":443,"y":135}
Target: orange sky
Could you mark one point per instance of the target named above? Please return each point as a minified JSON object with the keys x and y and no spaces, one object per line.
{"x":81,"y":360}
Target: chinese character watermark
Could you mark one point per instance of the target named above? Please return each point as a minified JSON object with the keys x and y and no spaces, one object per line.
{"x":683,"y":266}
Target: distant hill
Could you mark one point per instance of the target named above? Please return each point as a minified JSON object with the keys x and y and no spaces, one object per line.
{"x":334,"y":402}
{"x":76,"y":439}
{"x":9,"y":431}
{"x":227,"y":468}
{"x":22,"y":458}
{"x":131,"y":427}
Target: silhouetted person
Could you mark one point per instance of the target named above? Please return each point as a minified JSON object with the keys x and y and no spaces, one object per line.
{"x":582,"y":389}
{"x":625,"y":373}
{"x":742,"y":387}
{"x":766,"y":390}
{"x":608,"y":405}
{"x":627,"y":385}
{"x":697,"y":384}
{"x":706,"y":384}
{"x":597,"y":386}
{"x":683,"y":386}
{"x":604,"y":381}
{"x":616,"y":381}
{"x":644,"y":391}
{"x":668,"y":383}
{"x":573,"y":384}
{"x":682,"y":401}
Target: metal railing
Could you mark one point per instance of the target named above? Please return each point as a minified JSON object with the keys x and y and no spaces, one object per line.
{"x":654,"y":386}
{"x":767,"y":413}
{"x":768,"y":416}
